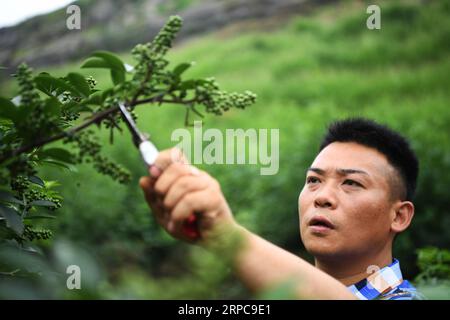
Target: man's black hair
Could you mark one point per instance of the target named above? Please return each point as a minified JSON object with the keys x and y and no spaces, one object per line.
{"x":390,"y":143}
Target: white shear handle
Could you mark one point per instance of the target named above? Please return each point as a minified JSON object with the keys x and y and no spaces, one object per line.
{"x":148,"y":152}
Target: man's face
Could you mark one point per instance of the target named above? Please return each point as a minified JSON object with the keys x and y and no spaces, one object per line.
{"x":345,"y":205}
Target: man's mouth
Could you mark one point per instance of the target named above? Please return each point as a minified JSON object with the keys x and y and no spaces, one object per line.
{"x":320,"y":224}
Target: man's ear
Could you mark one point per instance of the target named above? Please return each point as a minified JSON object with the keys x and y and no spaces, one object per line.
{"x":403,"y":213}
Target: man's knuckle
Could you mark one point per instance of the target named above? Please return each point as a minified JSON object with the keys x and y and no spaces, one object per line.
{"x":179,"y":167}
{"x":167,"y":203}
{"x":159,"y":188}
{"x":189,"y":200}
{"x":184,"y":183}
{"x":214,"y":183}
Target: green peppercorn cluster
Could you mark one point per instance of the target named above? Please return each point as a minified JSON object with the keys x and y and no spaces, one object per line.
{"x":161,"y":43}
{"x":89,"y":151}
{"x":33,"y":195}
{"x":163,"y":40}
{"x":19,"y":171}
{"x":87,"y":143}
{"x":29,"y":98}
{"x":149,"y":72}
{"x":30,"y":234}
{"x":38,"y":122}
{"x":217,"y":101}
{"x":91,"y":82}
{"x":68,"y":115}
{"x":19,"y":184}
{"x":112,"y":169}
{"x":24,"y":191}
{"x":27,"y":91}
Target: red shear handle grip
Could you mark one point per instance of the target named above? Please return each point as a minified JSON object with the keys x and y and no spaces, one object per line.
{"x":190,"y":227}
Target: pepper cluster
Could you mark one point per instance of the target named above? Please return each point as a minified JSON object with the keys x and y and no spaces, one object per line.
{"x":30,"y":234}
{"x":89,"y":152}
{"x":217,"y":101}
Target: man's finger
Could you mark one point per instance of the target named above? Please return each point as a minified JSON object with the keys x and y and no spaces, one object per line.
{"x":170,"y":175}
{"x":182,"y":186}
{"x":152,"y":199}
{"x":198,"y":201}
{"x":166,"y":158}
{"x":147,"y":187}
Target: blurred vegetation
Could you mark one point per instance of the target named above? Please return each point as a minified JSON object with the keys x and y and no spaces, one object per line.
{"x":311,"y":71}
{"x":175,"y":5}
{"x":433,"y":280}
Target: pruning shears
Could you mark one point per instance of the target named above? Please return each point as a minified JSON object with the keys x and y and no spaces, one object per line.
{"x":149,"y":153}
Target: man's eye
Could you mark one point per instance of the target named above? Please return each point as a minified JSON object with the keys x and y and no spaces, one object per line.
{"x":310,"y":180}
{"x":352,"y":183}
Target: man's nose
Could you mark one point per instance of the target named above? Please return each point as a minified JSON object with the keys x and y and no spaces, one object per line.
{"x":325,"y":198}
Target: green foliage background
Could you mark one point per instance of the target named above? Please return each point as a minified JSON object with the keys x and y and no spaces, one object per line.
{"x":307,"y":73}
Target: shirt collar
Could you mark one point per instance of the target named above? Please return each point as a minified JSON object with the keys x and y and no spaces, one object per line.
{"x":378,"y":283}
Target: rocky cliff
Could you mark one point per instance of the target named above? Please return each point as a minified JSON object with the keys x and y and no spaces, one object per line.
{"x":118,"y":25}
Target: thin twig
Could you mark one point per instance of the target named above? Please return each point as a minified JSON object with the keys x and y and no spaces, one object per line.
{"x":186,"y":117}
{"x":12,"y":273}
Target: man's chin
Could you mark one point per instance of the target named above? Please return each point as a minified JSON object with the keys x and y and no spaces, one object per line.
{"x":320,"y":246}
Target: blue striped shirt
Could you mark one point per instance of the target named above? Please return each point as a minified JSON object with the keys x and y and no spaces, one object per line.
{"x":385,"y":284}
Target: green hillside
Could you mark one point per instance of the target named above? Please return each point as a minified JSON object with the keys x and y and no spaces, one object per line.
{"x":306,"y":73}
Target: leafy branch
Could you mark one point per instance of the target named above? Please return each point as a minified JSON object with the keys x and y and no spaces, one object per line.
{"x":48,"y":109}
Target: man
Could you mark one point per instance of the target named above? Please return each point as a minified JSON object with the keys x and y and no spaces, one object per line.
{"x":356,"y":199}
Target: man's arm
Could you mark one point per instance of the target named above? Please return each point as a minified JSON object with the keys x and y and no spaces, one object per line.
{"x":175,"y":190}
{"x":261,"y":265}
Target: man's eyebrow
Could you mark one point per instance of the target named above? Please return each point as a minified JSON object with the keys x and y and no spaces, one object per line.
{"x":316,"y":170}
{"x":340,"y":171}
{"x":351,"y":171}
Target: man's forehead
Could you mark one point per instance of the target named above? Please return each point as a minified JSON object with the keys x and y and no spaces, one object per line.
{"x":350,"y":155}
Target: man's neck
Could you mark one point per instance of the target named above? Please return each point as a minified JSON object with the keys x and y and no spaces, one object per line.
{"x":351,"y":270}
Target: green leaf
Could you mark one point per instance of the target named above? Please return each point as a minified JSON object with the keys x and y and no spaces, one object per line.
{"x":95,"y":98}
{"x":188,"y":84}
{"x":42,"y":203}
{"x":95,"y":63}
{"x":107,"y":60}
{"x":202,"y":81}
{"x":181,"y":68}
{"x":37,"y":180}
{"x":57,"y":154}
{"x":83,"y":108}
{"x":111,"y":59}
{"x":8,"y":197}
{"x":41,"y":216}
{"x":80,"y":83}
{"x":60,"y":165}
{"x":49,"y":184}
{"x":76,"y":107}
{"x":53,"y":87}
{"x":117,"y":76}
{"x":7,"y":109}
{"x":13,"y":219}
{"x":107,"y":93}
{"x":23,"y":113}
{"x":52,"y":107}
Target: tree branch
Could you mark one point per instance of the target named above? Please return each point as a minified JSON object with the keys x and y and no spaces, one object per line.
{"x":95,"y":119}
